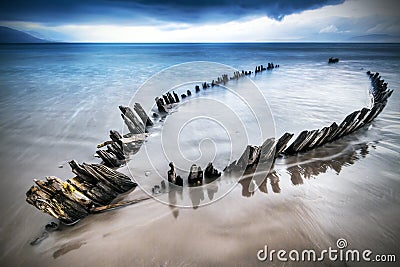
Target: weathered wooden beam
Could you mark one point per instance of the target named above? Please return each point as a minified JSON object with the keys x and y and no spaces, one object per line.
{"x":55,"y":205}
{"x":136,"y":126}
{"x":118,"y":179}
{"x":308,"y":140}
{"x":196,"y":175}
{"x":108,"y":158}
{"x":115,"y":136}
{"x":346,"y":122}
{"x":89,"y":191}
{"x":170,"y":98}
{"x":172,"y":173}
{"x":81,"y":172}
{"x":267,"y":151}
{"x":332,"y":129}
{"x":210,"y":172}
{"x":142,"y":114}
{"x":131,"y":127}
{"x":160,"y":105}
{"x":105,"y":183}
{"x":54,"y":185}
{"x":357,"y":122}
{"x":166,"y":99}
{"x":176,"y":97}
{"x":117,"y":205}
{"x":320,"y":134}
{"x":72,"y":200}
{"x":248,"y":159}
{"x":296,"y":143}
{"x":282,"y":143}
{"x":116,"y":150}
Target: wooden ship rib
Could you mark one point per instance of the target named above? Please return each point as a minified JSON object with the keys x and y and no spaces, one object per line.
{"x":95,"y":186}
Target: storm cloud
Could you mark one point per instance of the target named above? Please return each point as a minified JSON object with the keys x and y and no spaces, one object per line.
{"x":54,"y":12}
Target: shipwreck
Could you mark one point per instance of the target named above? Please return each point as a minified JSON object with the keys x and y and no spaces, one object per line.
{"x":95,"y":186}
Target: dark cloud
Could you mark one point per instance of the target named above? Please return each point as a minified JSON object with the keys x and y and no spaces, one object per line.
{"x":150,"y":11}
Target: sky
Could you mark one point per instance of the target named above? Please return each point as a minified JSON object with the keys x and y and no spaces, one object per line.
{"x":205,"y":20}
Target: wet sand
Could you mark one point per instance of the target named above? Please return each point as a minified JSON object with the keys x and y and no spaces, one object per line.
{"x":348,"y":189}
{"x":231,"y":230}
{"x":323,"y":195}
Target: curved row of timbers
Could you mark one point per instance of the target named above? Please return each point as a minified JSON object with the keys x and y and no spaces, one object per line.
{"x":95,"y":186}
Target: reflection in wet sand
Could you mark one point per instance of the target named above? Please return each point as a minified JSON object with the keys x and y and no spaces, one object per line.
{"x":67,"y":248}
{"x":314,"y":168}
{"x":173,"y":193}
{"x":310,"y":164}
{"x":304,"y":166}
{"x":211,"y":191}
{"x":197,"y":194}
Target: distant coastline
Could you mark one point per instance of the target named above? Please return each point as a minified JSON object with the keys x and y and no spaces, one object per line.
{"x":13,"y":36}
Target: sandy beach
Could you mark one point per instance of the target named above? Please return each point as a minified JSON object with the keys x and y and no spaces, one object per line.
{"x":346,"y":189}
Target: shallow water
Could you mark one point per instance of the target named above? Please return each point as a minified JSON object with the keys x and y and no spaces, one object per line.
{"x":59,"y":101}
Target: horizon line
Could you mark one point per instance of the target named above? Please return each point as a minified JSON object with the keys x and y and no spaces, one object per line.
{"x":209,"y":42}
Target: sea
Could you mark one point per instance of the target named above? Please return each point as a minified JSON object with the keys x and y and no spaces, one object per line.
{"x":58,"y":101}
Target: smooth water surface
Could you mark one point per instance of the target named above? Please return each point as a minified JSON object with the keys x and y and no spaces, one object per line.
{"x":58,"y":101}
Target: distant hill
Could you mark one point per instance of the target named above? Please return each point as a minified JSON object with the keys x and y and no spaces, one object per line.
{"x":376,"y":38}
{"x":8,"y":35}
